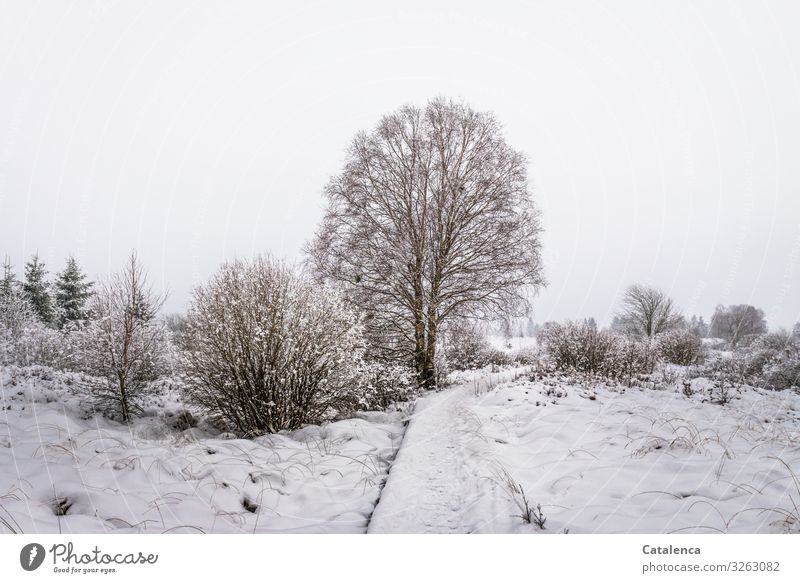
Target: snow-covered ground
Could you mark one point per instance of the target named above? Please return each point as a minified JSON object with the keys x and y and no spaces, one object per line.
{"x":596,"y":458}
{"x":511,"y":344}
{"x":604,"y":459}
{"x":66,"y":471}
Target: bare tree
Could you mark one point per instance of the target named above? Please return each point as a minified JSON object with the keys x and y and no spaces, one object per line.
{"x":265,"y":349}
{"x":647,"y":311}
{"x":431,"y":218}
{"x":733,"y":323}
{"x":125,"y":345}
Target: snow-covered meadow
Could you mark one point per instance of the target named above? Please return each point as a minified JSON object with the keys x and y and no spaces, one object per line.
{"x":598,"y":459}
{"x":488,"y":454}
{"x":67,"y":470}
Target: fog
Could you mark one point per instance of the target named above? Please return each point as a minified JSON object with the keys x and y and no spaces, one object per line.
{"x":662,"y":138}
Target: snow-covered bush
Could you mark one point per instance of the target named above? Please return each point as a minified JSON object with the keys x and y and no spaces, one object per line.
{"x":467,"y":349}
{"x":38,"y":344}
{"x":24,"y":340}
{"x":267,"y":349}
{"x":16,"y":315}
{"x":783,"y":372}
{"x":581,"y":347}
{"x":527,"y":356}
{"x":578,"y":346}
{"x":722,"y":390}
{"x":679,"y":346}
{"x":770,"y":361}
{"x":43,"y":384}
{"x":125,"y":346}
{"x":630,"y":359}
{"x":384,"y":384}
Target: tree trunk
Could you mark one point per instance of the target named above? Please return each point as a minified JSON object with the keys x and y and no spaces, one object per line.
{"x":123,"y":393}
{"x":429,"y":369}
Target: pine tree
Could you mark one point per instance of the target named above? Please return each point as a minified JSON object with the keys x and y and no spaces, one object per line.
{"x":8,"y":283}
{"x":37,"y":291}
{"x":71,"y":294}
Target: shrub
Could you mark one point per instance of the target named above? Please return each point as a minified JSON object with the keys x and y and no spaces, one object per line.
{"x":25,"y":341}
{"x":464,"y":344}
{"x":581,"y":347}
{"x":783,"y":372}
{"x":771,"y":361}
{"x":266,"y":349}
{"x":578,"y":346}
{"x":16,"y":315}
{"x":527,"y":356}
{"x":629,"y":360}
{"x":563,"y":343}
{"x":467,"y":349}
{"x":385,"y":384}
{"x":38,"y":344}
{"x":679,"y":346}
{"x":492,"y":357}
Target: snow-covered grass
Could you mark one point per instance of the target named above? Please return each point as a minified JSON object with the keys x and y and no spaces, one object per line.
{"x":66,"y":470}
{"x":582,"y":459}
{"x":600,"y":460}
{"x":497,"y":452}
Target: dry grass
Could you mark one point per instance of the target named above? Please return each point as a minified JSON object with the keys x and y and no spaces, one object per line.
{"x":529,"y":513}
{"x":677,"y":434}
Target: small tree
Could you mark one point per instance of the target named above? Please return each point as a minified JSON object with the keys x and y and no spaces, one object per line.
{"x":125,"y":345}
{"x":733,"y":323}
{"x":9,"y":282}
{"x":37,"y":290}
{"x":266,"y":349}
{"x":72,"y":294}
{"x":698,"y":327}
{"x":647,"y":311}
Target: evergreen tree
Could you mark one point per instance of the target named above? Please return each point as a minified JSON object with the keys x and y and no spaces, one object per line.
{"x":8,"y":283}
{"x":37,"y":291}
{"x":699,"y":327}
{"x":71,"y":293}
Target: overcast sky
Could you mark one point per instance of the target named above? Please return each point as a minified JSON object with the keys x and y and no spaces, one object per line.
{"x":663,"y":137}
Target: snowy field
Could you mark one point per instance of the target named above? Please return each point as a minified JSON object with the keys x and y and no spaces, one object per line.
{"x":486,"y":455}
{"x":606,"y":460}
{"x":64,"y":470}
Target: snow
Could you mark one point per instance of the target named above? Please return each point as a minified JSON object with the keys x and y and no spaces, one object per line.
{"x":596,"y":457}
{"x":436,"y":483}
{"x":599,"y":459}
{"x":106,"y":477}
{"x":511,"y":344}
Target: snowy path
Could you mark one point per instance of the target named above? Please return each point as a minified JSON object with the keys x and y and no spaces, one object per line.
{"x":440,"y":481}
{"x":598,"y":460}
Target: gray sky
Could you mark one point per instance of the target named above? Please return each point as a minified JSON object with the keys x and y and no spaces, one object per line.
{"x":663,"y":137}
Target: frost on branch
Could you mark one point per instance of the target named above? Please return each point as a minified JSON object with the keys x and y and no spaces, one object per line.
{"x":266,"y":349}
{"x":125,"y":346}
